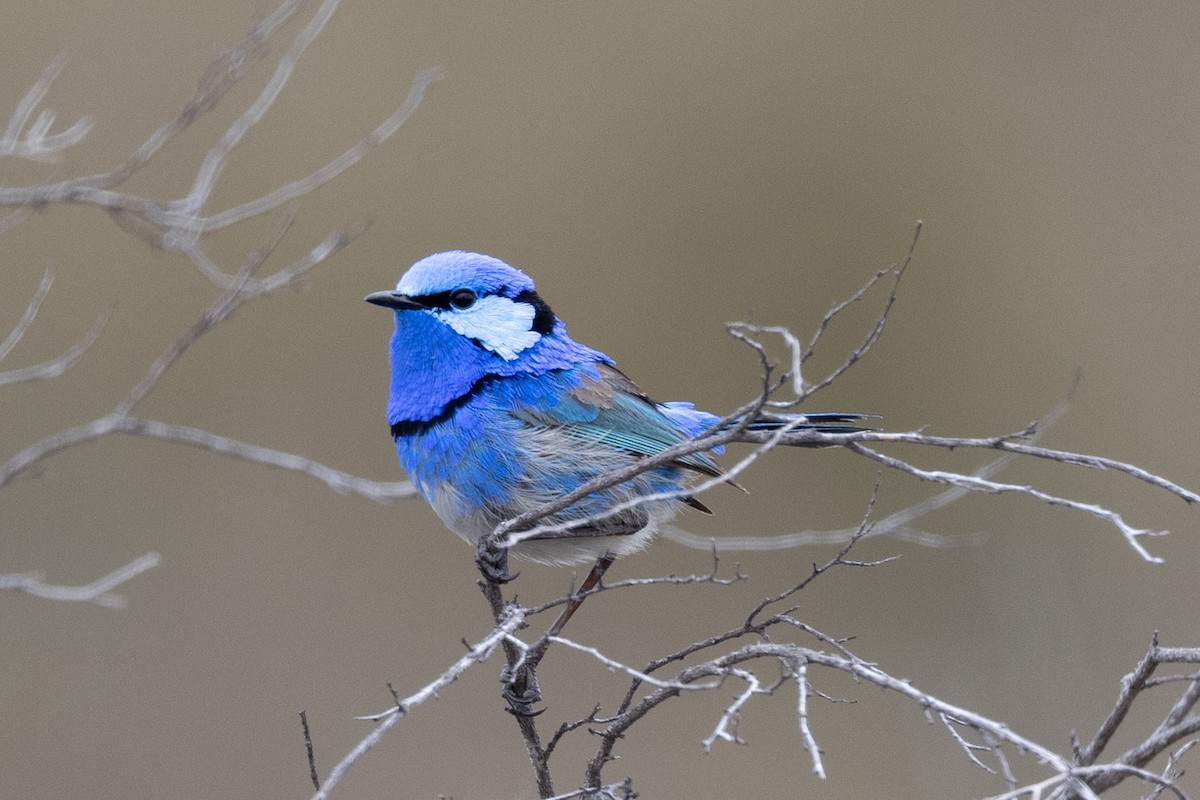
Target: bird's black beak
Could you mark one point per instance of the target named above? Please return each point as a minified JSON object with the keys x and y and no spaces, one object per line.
{"x":392,"y":299}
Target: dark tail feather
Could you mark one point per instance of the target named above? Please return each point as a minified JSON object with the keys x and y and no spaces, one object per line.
{"x":823,"y":422}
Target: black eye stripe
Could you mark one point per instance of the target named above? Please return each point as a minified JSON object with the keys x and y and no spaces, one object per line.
{"x":543,"y":317}
{"x":455,"y":298}
{"x":435,"y":300}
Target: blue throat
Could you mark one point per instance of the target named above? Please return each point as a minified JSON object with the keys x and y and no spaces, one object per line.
{"x":435,"y":370}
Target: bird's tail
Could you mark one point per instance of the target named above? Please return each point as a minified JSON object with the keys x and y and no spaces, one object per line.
{"x":694,"y":422}
{"x":823,"y":422}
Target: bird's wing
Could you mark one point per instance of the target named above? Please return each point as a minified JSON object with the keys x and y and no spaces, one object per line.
{"x":612,"y":410}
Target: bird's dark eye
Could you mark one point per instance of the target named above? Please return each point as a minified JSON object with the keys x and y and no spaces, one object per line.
{"x":462,"y":298}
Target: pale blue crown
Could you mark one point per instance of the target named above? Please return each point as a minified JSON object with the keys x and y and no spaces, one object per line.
{"x":442,"y":272}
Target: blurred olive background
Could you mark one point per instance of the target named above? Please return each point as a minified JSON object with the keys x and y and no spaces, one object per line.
{"x":659,"y":169}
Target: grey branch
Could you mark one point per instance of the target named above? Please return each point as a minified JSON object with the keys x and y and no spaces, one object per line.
{"x":897,"y":525}
{"x":387,"y":718}
{"x":55,"y":366}
{"x":34,"y":141}
{"x":98,"y":592}
{"x":180,"y":225}
{"x":981,"y":739}
{"x":1132,"y":535}
{"x":31,"y":312}
{"x":981,"y":481}
{"x":337,"y":480}
{"x":1178,"y":724}
{"x":122,"y":419}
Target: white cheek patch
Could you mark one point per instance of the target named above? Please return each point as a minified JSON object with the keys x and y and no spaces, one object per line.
{"x":498,"y":323}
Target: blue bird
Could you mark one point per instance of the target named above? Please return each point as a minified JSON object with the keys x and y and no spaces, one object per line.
{"x":495,"y":410}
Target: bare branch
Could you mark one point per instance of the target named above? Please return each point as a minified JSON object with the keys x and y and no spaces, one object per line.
{"x":57,"y":366}
{"x":897,"y":525}
{"x":968,"y":748}
{"x":214,"y":162}
{"x":122,"y":420}
{"x":481,"y":651}
{"x":341,"y":482}
{"x":98,"y":592}
{"x":220,"y":77}
{"x":177,"y":225}
{"x":31,"y":312}
{"x":810,"y":741}
{"x":617,"y":666}
{"x":337,"y":480}
{"x":1006,"y":444}
{"x":1131,"y":685}
{"x":1132,"y":535}
{"x":268,"y":202}
{"x":875,"y":332}
{"x":37,"y":143}
{"x":662,"y":580}
{"x":726,"y":727}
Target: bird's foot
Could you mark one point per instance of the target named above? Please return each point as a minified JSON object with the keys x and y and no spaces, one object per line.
{"x":521,"y":690}
{"x":493,"y":562}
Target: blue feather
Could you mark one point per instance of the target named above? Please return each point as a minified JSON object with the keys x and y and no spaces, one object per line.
{"x":495,"y":410}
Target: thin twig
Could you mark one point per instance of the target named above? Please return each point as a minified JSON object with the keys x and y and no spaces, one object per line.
{"x":31,"y":312}
{"x":57,"y":366}
{"x":37,"y":143}
{"x":876,"y":330}
{"x":308,"y":748}
{"x":1131,"y":534}
{"x":479,"y":652}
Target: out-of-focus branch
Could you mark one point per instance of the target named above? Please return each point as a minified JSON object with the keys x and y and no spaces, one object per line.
{"x":181,"y":225}
{"x":214,"y":163}
{"x":61,"y":363}
{"x":55,"y":366}
{"x":220,"y":77}
{"x":167,"y":220}
{"x":178,"y":224}
{"x":122,"y":419}
{"x":31,"y":312}
{"x":277,"y":198}
{"x":98,"y":591}
{"x":34,"y":141}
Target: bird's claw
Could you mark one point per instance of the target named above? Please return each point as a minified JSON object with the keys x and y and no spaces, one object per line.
{"x":493,"y":562}
{"x":521,"y":690}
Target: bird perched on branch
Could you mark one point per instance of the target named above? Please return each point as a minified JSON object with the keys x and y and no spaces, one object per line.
{"x":496,"y":411}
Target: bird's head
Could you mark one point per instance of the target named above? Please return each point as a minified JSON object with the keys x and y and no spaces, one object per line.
{"x":480,"y":298}
{"x":463,"y":317}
